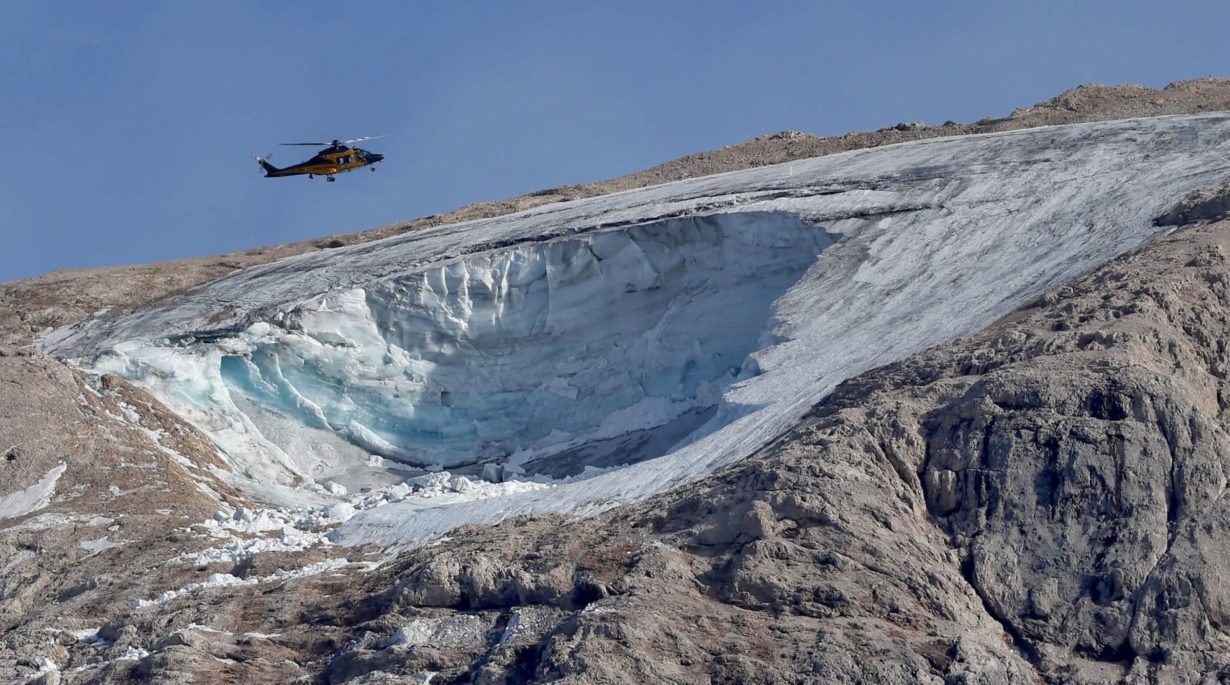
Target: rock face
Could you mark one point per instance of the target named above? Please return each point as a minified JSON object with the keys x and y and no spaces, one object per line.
{"x":1083,"y":483}
{"x":1040,"y":502}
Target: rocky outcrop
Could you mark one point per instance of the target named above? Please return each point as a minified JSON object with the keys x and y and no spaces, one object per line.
{"x":1081,"y":472}
{"x":1207,"y":204}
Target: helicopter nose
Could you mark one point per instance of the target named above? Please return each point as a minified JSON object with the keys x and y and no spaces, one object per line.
{"x":373,"y":158}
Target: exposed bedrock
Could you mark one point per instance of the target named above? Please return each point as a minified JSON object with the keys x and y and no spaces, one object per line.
{"x":1084,"y":483}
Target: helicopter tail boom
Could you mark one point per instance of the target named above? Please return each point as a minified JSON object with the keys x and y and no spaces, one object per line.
{"x":270,"y":170}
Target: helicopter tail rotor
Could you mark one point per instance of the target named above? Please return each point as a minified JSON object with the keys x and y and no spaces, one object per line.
{"x":264,"y":162}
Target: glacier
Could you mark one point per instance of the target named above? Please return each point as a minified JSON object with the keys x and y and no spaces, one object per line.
{"x":534,"y":348}
{"x":611,"y":348}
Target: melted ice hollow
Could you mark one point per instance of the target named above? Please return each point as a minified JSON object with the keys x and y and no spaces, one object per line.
{"x":550,"y":357}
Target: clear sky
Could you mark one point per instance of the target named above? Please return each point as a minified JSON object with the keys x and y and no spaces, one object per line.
{"x":129,"y":126}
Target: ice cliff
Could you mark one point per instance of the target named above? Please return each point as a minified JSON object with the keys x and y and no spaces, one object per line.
{"x":619,"y":346}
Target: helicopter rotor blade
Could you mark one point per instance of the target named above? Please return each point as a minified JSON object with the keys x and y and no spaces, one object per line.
{"x":337,"y":142}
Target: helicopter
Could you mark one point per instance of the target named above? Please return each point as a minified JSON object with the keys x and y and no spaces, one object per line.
{"x":337,"y":157}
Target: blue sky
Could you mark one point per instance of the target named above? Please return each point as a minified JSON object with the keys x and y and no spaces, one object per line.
{"x":130,"y":125}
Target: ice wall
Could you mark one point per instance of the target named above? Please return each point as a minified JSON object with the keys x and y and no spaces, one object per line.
{"x":598,"y":350}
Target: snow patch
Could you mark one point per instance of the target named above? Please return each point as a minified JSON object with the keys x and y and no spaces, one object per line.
{"x":247,"y":531}
{"x":131,"y":653}
{"x":450,"y":631}
{"x":85,"y":634}
{"x":97,"y":546}
{"x":217,"y":580}
{"x":33,"y":498}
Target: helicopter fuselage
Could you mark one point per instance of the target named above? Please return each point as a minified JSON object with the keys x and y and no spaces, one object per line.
{"x":335,"y":159}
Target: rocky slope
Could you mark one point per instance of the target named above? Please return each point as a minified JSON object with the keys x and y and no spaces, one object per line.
{"x":1040,"y":502}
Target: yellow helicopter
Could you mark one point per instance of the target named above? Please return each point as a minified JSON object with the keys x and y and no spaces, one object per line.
{"x":337,"y":157}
